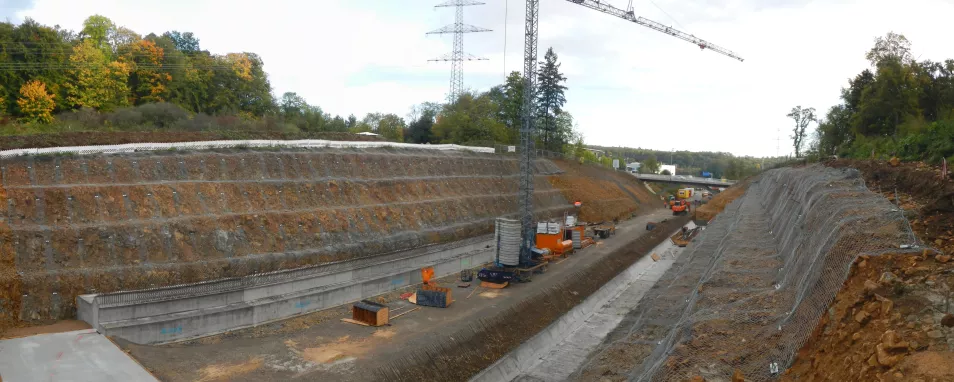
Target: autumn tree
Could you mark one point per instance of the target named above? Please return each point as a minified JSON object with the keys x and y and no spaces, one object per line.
{"x":37,"y":52}
{"x":147,"y":81}
{"x":98,"y":29}
{"x":121,"y":37}
{"x":802,"y":118}
{"x":36,"y":104}
{"x":95,"y":82}
{"x":244,"y":87}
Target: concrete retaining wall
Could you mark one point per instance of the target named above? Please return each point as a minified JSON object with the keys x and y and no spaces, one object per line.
{"x":158,"y":318}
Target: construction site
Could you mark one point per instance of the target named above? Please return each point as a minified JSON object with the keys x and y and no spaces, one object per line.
{"x":251,"y":264}
{"x":347,"y":255}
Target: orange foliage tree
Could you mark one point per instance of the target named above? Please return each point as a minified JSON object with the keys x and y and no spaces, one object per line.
{"x":36,"y":103}
{"x":94,"y":81}
{"x":147,"y":80}
{"x":241,"y":65}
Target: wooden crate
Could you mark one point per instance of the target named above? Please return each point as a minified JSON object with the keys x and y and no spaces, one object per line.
{"x":431,"y":295}
{"x":370,"y":312}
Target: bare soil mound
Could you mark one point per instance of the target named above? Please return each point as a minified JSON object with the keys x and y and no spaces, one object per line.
{"x":717,"y":204}
{"x":604,"y":194}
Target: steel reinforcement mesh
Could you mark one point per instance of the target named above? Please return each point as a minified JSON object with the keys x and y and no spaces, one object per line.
{"x":754,"y":284}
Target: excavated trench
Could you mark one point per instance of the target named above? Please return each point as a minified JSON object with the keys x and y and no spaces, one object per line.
{"x":753,"y":286}
{"x":72,"y":225}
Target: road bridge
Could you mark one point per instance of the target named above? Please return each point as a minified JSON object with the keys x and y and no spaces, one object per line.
{"x":688,"y":180}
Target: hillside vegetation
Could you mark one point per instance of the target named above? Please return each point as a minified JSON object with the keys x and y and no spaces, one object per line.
{"x":900,"y":106}
{"x":109,"y":78}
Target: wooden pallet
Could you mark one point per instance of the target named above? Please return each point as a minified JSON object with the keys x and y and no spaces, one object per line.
{"x":528,"y":272}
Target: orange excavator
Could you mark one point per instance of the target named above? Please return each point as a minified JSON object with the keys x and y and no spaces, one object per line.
{"x":680,"y":207}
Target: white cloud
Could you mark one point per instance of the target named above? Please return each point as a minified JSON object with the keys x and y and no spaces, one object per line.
{"x":629,"y":85}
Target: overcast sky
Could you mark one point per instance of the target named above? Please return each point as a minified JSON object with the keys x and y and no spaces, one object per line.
{"x":628,"y":85}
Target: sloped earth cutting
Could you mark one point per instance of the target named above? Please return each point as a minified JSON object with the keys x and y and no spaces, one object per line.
{"x":892,"y":319}
{"x":745,"y":298}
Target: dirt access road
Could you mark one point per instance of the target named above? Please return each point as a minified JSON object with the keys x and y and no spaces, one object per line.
{"x":319,"y":346}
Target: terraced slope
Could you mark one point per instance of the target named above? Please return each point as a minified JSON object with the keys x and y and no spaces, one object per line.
{"x":82,"y":224}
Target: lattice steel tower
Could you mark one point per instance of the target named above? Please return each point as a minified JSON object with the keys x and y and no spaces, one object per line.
{"x":457,"y":57}
{"x":528,"y":131}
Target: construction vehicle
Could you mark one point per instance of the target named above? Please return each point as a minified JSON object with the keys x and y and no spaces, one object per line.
{"x":684,"y":193}
{"x":680,"y":207}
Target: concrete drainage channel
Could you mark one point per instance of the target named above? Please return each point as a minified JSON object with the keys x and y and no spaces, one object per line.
{"x":560,"y":349}
{"x":178,"y":313}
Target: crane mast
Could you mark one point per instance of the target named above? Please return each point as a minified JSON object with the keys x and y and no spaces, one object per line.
{"x":630,"y":16}
{"x":527,"y":131}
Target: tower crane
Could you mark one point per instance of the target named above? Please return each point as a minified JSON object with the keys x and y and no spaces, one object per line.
{"x":629,"y":15}
{"x":527,"y":151}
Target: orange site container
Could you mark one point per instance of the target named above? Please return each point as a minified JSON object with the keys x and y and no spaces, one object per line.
{"x":555,"y":243}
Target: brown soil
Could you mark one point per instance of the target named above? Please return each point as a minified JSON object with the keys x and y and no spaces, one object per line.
{"x":888,"y":322}
{"x":227,"y":372}
{"x":342,"y":347}
{"x":604,"y":194}
{"x":35,"y":141}
{"x":58,"y":327}
{"x":713,"y":207}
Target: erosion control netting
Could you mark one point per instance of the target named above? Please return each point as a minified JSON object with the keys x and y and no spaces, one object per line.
{"x":755,"y":283}
{"x":103,"y":223}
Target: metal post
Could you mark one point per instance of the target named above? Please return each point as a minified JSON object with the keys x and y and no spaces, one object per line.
{"x":527,"y":130}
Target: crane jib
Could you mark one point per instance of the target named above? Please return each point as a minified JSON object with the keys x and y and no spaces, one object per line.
{"x":628,"y":15}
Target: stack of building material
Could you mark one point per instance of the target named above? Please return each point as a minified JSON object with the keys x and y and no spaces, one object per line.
{"x":507,"y":237}
{"x":577,"y":236}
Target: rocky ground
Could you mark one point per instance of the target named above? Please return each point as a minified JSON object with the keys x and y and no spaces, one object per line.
{"x":893,"y":319}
